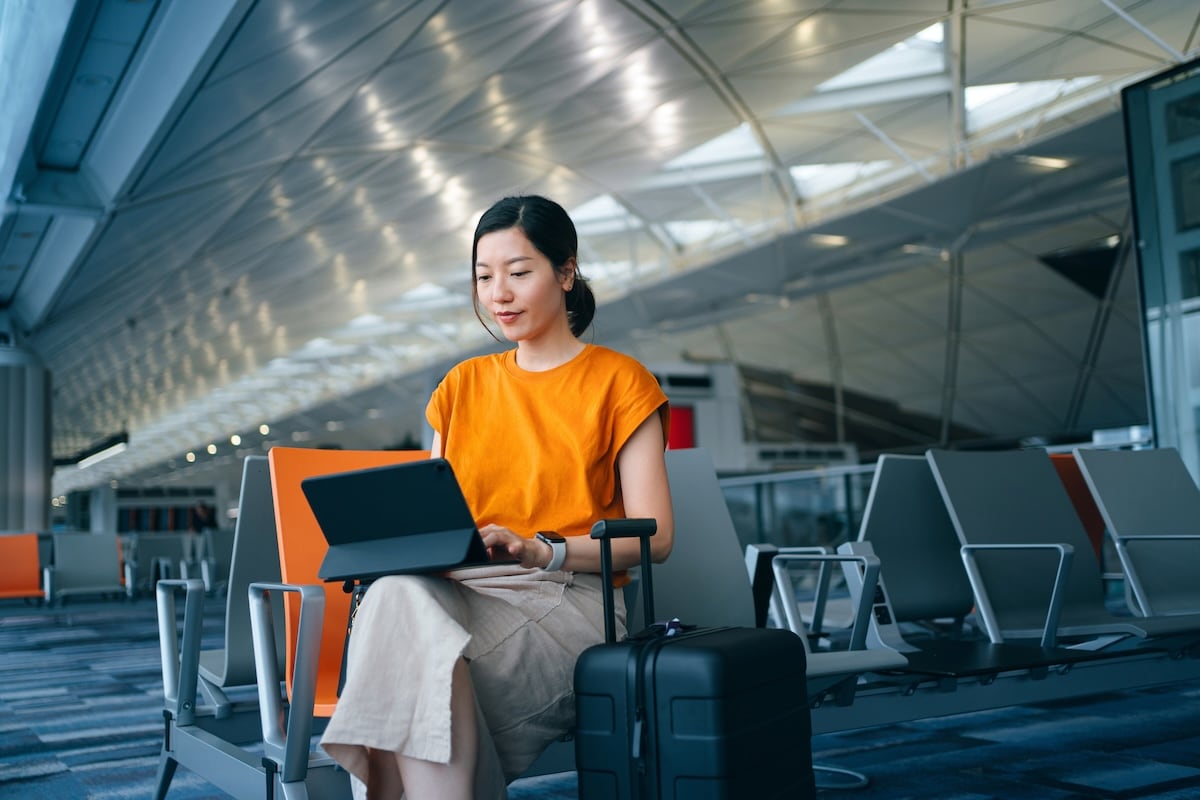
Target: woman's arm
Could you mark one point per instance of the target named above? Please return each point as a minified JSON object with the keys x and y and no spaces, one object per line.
{"x":642,"y":471}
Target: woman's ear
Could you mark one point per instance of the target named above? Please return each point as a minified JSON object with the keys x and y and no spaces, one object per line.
{"x":568,"y":274}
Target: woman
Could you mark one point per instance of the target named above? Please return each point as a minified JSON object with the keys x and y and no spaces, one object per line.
{"x":454,"y":686}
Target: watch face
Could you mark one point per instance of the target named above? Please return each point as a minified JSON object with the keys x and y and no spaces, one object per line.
{"x":550,"y":537}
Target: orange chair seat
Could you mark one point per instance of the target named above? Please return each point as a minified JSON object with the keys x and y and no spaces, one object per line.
{"x":20,"y":571}
{"x":1081,"y":498}
{"x":302,"y":547}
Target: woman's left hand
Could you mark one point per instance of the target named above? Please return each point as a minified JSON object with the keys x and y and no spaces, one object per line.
{"x":503,"y":544}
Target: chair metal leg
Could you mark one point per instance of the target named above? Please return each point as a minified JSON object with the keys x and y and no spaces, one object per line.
{"x":166,"y":771}
{"x":294,"y":791}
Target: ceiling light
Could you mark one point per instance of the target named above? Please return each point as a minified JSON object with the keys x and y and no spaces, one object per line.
{"x":828,"y":240}
{"x":212,"y":449}
{"x":190,"y":457}
{"x":235,"y":440}
{"x":264,"y":429}
{"x":1044,"y":161}
{"x":119,"y":446}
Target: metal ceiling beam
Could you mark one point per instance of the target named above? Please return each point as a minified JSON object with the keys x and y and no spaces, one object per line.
{"x":955,"y":38}
{"x":176,"y":47}
{"x":1177,"y":56}
{"x":719,"y":211}
{"x":893,"y":146}
{"x":31,"y":33}
{"x":671,"y":32}
{"x":1104,"y":310}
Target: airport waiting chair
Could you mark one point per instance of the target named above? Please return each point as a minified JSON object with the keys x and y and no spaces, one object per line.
{"x":923,"y":595}
{"x":906,"y":526}
{"x":155,"y":556}
{"x":84,"y":563}
{"x":1032,"y":568}
{"x":198,"y":734}
{"x":1151,"y":507}
{"x":20,"y":573}
{"x":707,"y":580}
{"x":316,"y":615}
{"x":218,"y":546}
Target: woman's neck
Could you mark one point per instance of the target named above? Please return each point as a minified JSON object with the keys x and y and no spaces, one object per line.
{"x":547,"y":353}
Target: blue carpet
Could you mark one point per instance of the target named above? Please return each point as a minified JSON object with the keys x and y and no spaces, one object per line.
{"x":81,"y":700}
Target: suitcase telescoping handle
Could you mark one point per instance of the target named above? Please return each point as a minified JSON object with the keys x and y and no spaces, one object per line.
{"x":606,"y":530}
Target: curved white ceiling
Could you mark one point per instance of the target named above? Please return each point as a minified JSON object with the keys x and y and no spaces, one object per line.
{"x":270,"y":220}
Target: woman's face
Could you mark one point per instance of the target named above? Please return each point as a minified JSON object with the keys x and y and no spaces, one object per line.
{"x":519,"y":287}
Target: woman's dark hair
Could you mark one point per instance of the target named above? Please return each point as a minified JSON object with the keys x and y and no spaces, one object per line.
{"x":549,"y":228}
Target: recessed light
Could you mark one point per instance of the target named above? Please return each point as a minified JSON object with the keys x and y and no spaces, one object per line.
{"x":1044,"y":161}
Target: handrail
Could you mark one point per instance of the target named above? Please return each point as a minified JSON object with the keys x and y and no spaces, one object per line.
{"x":795,"y":475}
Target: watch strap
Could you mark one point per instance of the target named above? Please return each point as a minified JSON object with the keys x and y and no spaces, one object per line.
{"x":558,"y":548}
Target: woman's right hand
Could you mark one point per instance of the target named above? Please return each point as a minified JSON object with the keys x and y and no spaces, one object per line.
{"x":503,"y":544}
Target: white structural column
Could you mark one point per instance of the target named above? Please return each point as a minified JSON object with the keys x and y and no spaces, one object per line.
{"x":25,"y":463}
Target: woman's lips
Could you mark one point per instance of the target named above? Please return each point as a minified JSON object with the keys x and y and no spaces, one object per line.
{"x":506,"y":316}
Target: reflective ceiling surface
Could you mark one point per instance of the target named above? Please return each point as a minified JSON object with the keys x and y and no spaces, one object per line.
{"x":237,"y":213}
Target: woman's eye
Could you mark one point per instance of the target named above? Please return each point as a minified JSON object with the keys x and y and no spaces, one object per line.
{"x":481,"y":278}
{"x":519,"y":274}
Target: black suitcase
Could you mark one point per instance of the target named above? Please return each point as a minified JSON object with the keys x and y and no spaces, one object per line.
{"x":689,"y":714}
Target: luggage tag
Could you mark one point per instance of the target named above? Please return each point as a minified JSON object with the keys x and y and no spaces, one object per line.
{"x":667,"y":629}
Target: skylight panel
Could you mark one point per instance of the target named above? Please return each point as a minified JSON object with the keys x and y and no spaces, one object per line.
{"x":689,"y":232}
{"x":738,"y":144}
{"x":813,"y":180}
{"x":993,"y":103}
{"x":602,"y":207}
{"x":920,"y":54}
{"x":601,"y":216}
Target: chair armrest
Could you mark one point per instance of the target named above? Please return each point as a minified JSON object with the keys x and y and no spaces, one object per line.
{"x":862,"y":619}
{"x":48,"y":584}
{"x":180,"y":654}
{"x":286,"y":737}
{"x":1124,"y":544}
{"x":1050,"y":629}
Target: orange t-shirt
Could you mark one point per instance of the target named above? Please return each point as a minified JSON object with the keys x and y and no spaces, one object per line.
{"x":537,"y":451}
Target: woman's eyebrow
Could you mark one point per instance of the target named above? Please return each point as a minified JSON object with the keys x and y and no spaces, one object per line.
{"x":513,"y":260}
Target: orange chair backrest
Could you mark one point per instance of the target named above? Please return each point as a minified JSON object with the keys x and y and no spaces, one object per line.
{"x":302,"y":547}
{"x":20,"y":572}
{"x":1081,"y":498}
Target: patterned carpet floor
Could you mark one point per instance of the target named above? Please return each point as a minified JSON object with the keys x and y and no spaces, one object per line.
{"x":81,"y":717}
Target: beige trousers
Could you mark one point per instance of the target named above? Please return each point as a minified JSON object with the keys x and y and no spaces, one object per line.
{"x":521,"y":632}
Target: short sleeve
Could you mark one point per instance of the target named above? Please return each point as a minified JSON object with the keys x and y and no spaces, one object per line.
{"x":441,"y":402}
{"x":638,"y":395}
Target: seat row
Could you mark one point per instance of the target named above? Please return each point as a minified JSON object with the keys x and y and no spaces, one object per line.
{"x":993,"y":592}
{"x":972,"y":584}
{"x":56,"y":566}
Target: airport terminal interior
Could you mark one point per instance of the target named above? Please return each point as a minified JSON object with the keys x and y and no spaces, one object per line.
{"x":919,"y":279}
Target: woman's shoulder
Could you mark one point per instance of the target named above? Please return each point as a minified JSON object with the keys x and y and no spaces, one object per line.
{"x":476,"y":365}
{"x":599,"y":354}
{"x":621,"y":367}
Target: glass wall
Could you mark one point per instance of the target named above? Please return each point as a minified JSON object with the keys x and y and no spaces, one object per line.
{"x":1162,"y":118}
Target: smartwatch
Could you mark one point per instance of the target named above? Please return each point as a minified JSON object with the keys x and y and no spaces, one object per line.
{"x":558,"y":547}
